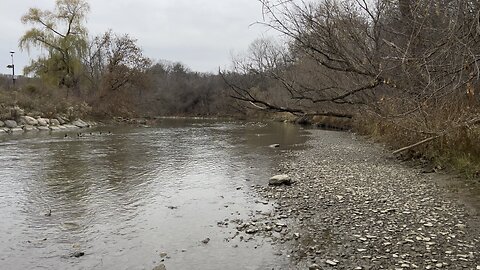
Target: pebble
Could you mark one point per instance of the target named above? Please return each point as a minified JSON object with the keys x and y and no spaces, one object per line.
{"x":332,"y":263}
{"x":78,"y":254}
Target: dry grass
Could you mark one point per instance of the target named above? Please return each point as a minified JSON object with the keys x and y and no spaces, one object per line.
{"x":41,"y":101}
{"x":457,"y":150}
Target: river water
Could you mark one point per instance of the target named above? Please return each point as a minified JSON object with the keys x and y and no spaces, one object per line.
{"x":125,"y":195}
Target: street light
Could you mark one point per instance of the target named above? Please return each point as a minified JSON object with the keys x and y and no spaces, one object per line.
{"x":12,"y":66}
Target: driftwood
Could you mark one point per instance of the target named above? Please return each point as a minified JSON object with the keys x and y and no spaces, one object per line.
{"x":417,"y":144}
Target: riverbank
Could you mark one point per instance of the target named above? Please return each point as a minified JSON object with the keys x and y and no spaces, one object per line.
{"x":31,"y":124}
{"x":354,"y":206}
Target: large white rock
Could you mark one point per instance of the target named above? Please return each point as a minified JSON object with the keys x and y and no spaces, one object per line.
{"x":29,"y":120}
{"x":68,"y":126}
{"x":42,"y":122}
{"x":54,"y":122}
{"x":80,"y":123}
{"x":16,"y":130}
{"x":30,"y":128}
{"x":10,"y":124}
{"x":61,"y":120}
{"x":281,"y":179}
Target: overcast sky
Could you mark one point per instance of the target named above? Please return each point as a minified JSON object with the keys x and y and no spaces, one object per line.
{"x":201,"y":34}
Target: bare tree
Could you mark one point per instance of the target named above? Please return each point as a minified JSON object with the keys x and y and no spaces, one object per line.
{"x":116,"y":61}
{"x":403,"y":61}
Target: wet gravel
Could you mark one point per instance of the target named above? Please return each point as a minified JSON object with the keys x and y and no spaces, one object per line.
{"x":354,"y":206}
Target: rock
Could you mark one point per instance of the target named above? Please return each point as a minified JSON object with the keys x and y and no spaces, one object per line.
{"x":279,"y":180}
{"x":42,"y":128}
{"x":163,"y":254}
{"x":78,"y":254}
{"x":16,"y":130}
{"x":206,"y":240}
{"x":29,"y":128}
{"x":80,"y":123}
{"x":54,"y":128}
{"x":42,"y":122}
{"x":332,"y":263}
{"x":160,"y":267}
{"x":61,"y":120}
{"x":29,"y":120}
{"x":68,"y":126}
{"x":10,"y":124}
{"x":314,"y":267}
{"x":54,"y":122}
{"x":2,"y":124}
{"x":275,"y":145}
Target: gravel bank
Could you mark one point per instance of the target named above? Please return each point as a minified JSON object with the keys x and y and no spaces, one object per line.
{"x":353,"y":206}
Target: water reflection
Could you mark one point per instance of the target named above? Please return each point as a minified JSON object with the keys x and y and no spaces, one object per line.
{"x":124,"y":196}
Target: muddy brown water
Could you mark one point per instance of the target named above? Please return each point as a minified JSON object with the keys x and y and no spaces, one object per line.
{"x":127,"y":196}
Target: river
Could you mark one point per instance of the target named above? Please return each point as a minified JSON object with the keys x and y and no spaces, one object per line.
{"x":134,"y":197}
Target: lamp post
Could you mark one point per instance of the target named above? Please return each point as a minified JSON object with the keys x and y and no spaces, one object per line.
{"x":12,"y":66}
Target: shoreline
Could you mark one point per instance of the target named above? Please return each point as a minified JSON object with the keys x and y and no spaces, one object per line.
{"x":354,"y":206}
{"x":42,"y":125}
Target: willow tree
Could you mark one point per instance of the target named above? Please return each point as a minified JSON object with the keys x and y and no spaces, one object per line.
{"x":60,"y":33}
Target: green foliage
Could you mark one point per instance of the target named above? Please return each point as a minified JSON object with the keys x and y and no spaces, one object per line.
{"x":62,"y":34}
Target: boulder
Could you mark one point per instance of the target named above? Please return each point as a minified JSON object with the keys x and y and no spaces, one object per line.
{"x":80,"y":123}
{"x":30,"y":121}
{"x":29,"y":128}
{"x":42,"y":122}
{"x":160,"y":267}
{"x":2,"y":124}
{"x":10,"y":124}
{"x":16,"y":130}
{"x":61,"y":120}
{"x":54,"y":122}
{"x":69,"y":126}
{"x":279,"y":180}
{"x":43,"y":128}
{"x":54,"y":128}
